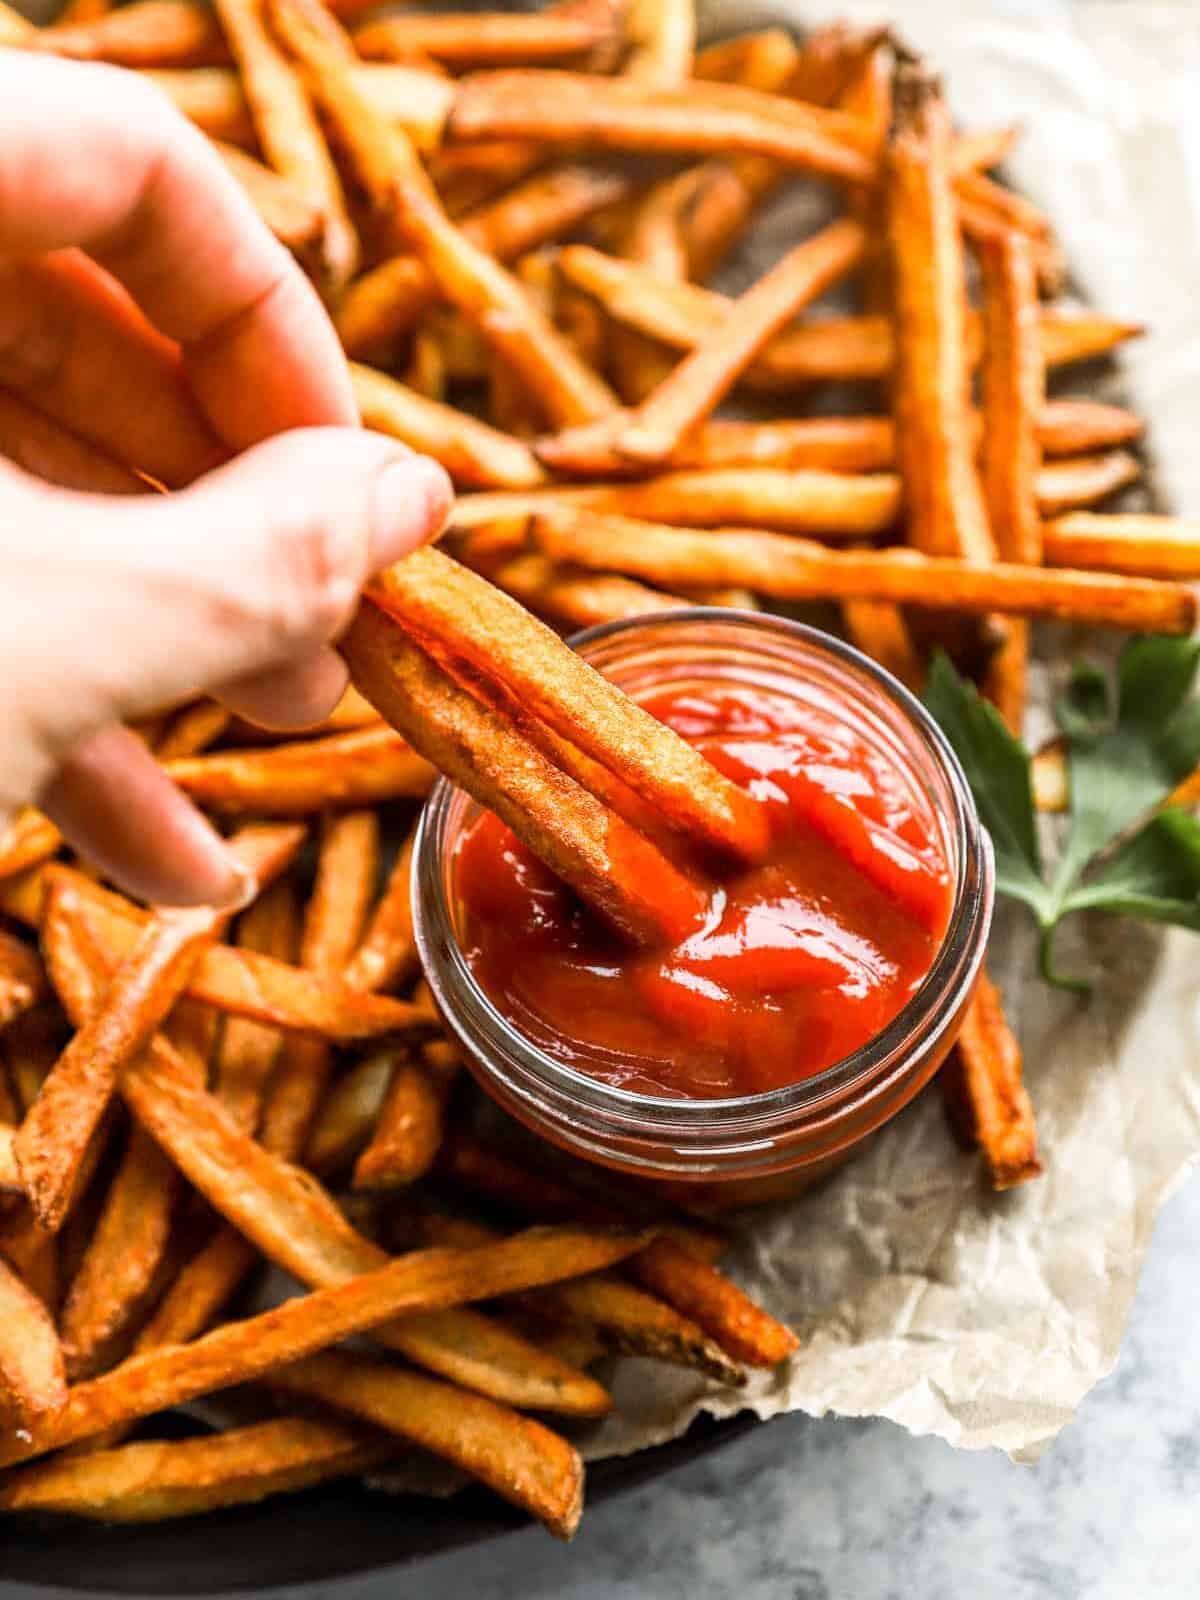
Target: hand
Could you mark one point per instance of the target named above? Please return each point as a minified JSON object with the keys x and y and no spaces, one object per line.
{"x":145,"y":311}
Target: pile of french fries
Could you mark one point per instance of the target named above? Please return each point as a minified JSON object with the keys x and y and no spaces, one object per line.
{"x":520,"y":212}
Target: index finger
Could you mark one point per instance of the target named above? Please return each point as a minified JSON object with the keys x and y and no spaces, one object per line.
{"x":96,"y":157}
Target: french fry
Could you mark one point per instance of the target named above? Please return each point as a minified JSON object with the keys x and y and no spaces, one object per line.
{"x":61,"y":1123}
{"x":358,"y":768}
{"x":288,"y":131}
{"x":586,"y":845}
{"x":148,"y":33}
{"x":794,"y":569}
{"x":347,"y":868}
{"x":294,"y":218}
{"x":1154,"y":546}
{"x":349,"y":1113}
{"x":246,"y":984}
{"x":248,"y":1052}
{"x":476,"y":455}
{"x":199,"y":1293}
{"x":577,"y":599}
{"x":996,"y":1112}
{"x":1071,"y":427}
{"x":118,"y":1272}
{"x":29,"y":839}
{"x":22,"y":978}
{"x":385,"y":302}
{"x":159,"y":1479}
{"x":492,"y":39}
{"x":241,"y":1351}
{"x":701,"y":381}
{"x":408,"y":1132}
{"x":627,"y":1319}
{"x":564,"y":108}
{"x":471,"y":175}
{"x":84,"y":10}
{"x":1082,"y":481}
{"x":880,"y":631}
{"x":455,"y":610}
{"x":33,"y":1388}
{"x":192,"y":730}
{"x":944,"y":504}
{"x":387,"y":955}
{"x":833,"y":505}
{"x":518,"y":1458}
{"x":829,"y":348}
{"x":677,"y":1274}
{"x":212,"y":98}
{"x":10,"y":1174}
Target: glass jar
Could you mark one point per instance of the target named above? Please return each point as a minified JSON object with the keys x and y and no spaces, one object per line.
{"x":752,"y":1147}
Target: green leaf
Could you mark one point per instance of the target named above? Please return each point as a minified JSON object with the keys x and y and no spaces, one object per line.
{"x":1126,"y":751}
{"x":997,"y":769}
{"x":1154,"y":875}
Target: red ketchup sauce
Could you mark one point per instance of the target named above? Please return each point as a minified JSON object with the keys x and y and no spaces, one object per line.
{"x":800,"y":960}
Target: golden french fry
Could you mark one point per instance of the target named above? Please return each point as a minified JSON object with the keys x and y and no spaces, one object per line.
{"x":995,"y":1111}
{"x":348,"y":1114}
{"x":293,"y":217}
{"x":577,"y":599}
{"x":795,"y":569}
{"x":22,"y":978}
{"x":159,"y":1479}
{"x":248,"y":1052}
{"x":1153,"y":546}
{"x":517,"y":1457}
{"x":29,"y":839}
{"x":358,"y":768}
{"x":1082,"y":481}
{"x":492,"y":38}
{"x":33,"y":1388}
{"x":148,"y":33}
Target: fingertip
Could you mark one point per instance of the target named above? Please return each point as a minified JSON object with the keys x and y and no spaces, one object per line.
{"x":293,"y":697}
{"x":410,"y":505}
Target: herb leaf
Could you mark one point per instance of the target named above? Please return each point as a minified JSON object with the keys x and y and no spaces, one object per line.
{"x":997,"y":769}
{"x":1129,"y":742}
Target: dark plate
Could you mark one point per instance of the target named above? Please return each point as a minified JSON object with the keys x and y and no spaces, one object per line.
{"x":338,"y":1531}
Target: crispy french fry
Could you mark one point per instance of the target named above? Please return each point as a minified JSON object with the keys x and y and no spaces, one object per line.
{"x":485,"y":39}
{"x":627,"y":1319}
{"x":1155,"y":546}
{"x":200,"y":1292}
{"x":22,"y":978}
{"x":192,"y":730}
{"x":33,"y":1387}
{"x":10,"y":1174}
{"x":880,"y":631}
{"x":119,"y":1269}
{"x":347,"y":868}
{"x":387,"y":955}
{"x":520,"y":1459}
{"x":60,"y":1125}
{"x":29,"y":839}
{"x":701,"y":381}
{"x":159,"y":1479}
{"x":470,"y":175}
{"x":682,"y":314}
{"x":358,"y":768}
{"x":294,"y":218}
{"x":1071,"y":427}
{"x":288,"y":131}
{"x":577,"y":599}
{"x":944,"y":504}
{"x":687,"y":119}
{"x":248,"y":1052}
{"x":832,"y":505}
{"x":349,"y":1113}
{"x":246,"y":984}
{"x":148,"y":33}
{"x":474,"y":454}
{"x":996,"y":1112}
{"x":457,"y":611}
{"x":1082,"y":481}
{"x":408,"y":1133}
{"x":211,"y":97}
{"x":387,"y":301}
{"x":795,"y":569}
{"x":682,"y":1278}
{"x":242,"y":1351}
{"x":589,"y":847}
{"x":662,"y":38}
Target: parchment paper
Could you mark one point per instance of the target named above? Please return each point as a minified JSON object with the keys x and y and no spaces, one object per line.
{"x":919,"y":1296}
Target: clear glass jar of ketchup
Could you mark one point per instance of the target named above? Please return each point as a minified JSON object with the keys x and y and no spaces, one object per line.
{"x":825,"y":986}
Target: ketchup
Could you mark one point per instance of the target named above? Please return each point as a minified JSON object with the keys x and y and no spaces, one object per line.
{"x":799,"y":961}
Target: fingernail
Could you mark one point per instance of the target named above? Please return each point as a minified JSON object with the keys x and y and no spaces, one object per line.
{"x":411,"y":504}
{"x":242,"y":891}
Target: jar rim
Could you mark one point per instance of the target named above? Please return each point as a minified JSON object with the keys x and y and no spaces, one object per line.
{"x":953,"y":970}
